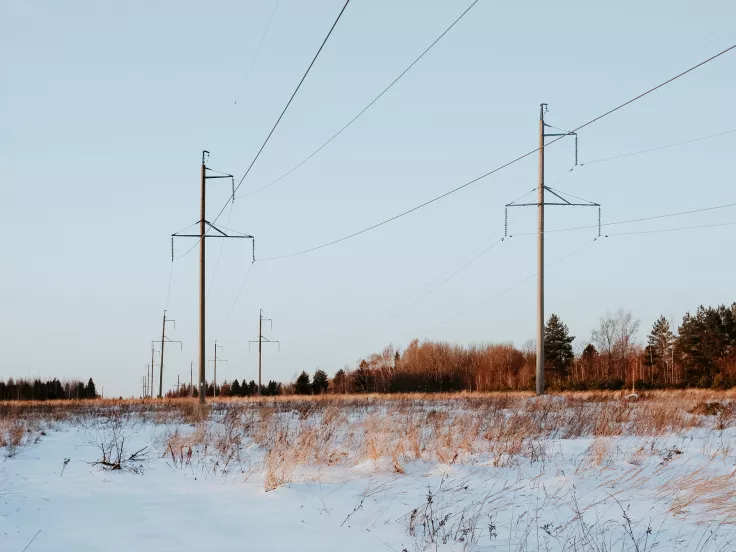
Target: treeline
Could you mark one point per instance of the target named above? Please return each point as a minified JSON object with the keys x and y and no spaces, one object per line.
{"x":234,"y":389}
{"x":37,"y":390}
{"x":702,"y":353}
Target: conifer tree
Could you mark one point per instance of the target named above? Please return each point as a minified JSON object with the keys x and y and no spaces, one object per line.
{"x":557,"y":346}
{"x":320,"y":382}
{"x":302,"y":385}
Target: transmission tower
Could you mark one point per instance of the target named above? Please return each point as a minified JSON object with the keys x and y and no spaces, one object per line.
{"x":540,"y":204}
{"x":204,"y":226}
{"x":260,"y":341}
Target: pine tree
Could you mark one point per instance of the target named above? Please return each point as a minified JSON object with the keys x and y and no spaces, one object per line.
{"x":557,"y":346}
{"x":91,"y":390}
{"x":658,"y":352}
{"x":272,"y":389}
{"x":320,"y":382}
{"x":235,"y":390}
{"x":302,"y":385}
{"x":707,"y":343}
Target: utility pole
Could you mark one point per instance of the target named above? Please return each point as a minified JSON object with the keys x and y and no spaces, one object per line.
{"x":540,"y":258}
{"x":163,"y":340}
{"x":150,"y":387}
{"x":540,"y":204}
{"x":145,"y":390}
{"x":260,"y":341}
{"x":204,"y":226}
{"x":214,"y":389}
{"x":144,"y":385}
{"x":214,"y":385}
{"x":191,"y":380}
{"x":161,"y":363}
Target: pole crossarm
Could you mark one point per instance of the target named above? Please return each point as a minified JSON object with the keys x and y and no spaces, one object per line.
{"x":265,"y":340}
{"x":220,"y":234}
{"x":167,"y":340}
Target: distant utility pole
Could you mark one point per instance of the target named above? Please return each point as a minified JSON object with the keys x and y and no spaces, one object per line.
{"x":164,"y":339}
{"x":148,"y":373}
{"x":191,"y":378}
{"x":153,"y":350}
{"x":144,"y":384}
{"x":204,"y":225}
{"x":540,"y":234}
{"x":161,"y":363}
{"x":214,"y":385}
{"x":260,"y":341}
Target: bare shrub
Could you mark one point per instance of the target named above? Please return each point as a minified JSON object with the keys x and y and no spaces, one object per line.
{"x":111,"y":442}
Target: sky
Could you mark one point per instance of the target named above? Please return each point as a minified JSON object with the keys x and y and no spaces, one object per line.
{"x":106,"y":107}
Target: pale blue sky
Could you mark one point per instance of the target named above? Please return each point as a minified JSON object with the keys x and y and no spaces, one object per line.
{"x":107,"y":105}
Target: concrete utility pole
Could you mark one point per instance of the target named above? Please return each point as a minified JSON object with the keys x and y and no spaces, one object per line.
{"x":150,"y":387}
{"x":202,"y":262}
{"x":540,"y":257}
{"x":204,"y":225}
{"x":540,"y":204}
{"x":214,"y":388}
{"x":214,"y":384}
{"x":163,"y":341}
{"x":161,"y":364}
{"x":260,"y":341}
{"x":148,"y":382}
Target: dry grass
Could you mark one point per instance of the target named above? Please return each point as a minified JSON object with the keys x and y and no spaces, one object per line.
{"x":287,"y":433}
{"x":633,"y":445}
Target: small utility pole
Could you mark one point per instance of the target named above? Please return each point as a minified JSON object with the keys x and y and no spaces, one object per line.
{"x":214,"y":384}
{"x":214,"y":389}
{"x":163,"y":341}
{"x":191,"y":379}
{"x":150,"y":387}
{"x":260,"y":341}
{"x":204,"y":226}
{"x":143,"y":385}
{"x":161,"y":363}
{"x":540,"y":204}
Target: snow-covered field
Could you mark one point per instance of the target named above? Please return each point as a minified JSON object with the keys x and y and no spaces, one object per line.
{"x":499,"y":472}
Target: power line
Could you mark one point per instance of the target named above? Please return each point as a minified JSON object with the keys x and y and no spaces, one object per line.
{"x":489,"y":173}
{"x":517,"y":284}
{"x":629,"y":221}
{"x":366,"y":108}
{"x":263,"y":37}
{"x":219,"y":253}
{"x":448,"y":272}
{"x":242,"y":285}
{"x":671,"y":229}
{"x":447,"y":279}
{"x":168,"y":288}
{"x":298,"y":86}
{"x":658,"y":148}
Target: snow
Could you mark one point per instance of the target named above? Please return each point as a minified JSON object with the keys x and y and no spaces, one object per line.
{"x":559,"y":499}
